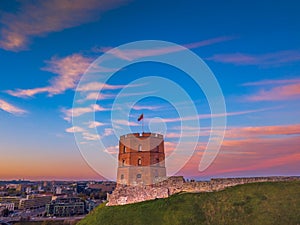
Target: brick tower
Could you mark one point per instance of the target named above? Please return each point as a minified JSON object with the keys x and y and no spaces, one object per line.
{"x":141,"y":159}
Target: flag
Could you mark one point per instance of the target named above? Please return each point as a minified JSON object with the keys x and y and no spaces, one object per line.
{"x":141,"y":117}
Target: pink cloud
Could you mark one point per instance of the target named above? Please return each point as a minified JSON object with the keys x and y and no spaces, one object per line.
{"x":284,"y":92}
{"x":69,"y":70}
{"x":266,"y":164}
{"x":132,"y":54}
{"x":5,"y":106}
{"x":247,"y":132}
{"x":266,"y":154}
{"x":270,"y":59}
{"x":251,"y":156}
{"x":271,"y":82}
{"x":113,"y":150}
{"x":40,"y":17}
{"x":252,"y":150}
{"x":187,"y":134}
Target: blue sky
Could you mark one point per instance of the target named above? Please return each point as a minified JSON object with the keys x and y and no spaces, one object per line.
{"x":252,"y":47}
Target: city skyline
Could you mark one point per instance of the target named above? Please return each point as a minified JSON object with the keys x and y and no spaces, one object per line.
{"x":252,"y":48}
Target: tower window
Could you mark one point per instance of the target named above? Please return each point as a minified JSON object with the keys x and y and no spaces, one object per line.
{"x":124,"y":149}
{"x":139,"y":162}
{"x":157,"y":148}
{"x":122,"y":176}
{"x":139,"y":175}
{"x":123,"y":162}
{"x":140,"y":148}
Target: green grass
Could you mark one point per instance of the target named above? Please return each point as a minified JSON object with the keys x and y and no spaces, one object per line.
{"x":257,"y":203}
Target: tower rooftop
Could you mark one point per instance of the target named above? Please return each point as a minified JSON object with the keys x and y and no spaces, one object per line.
{"x":142,"y":135}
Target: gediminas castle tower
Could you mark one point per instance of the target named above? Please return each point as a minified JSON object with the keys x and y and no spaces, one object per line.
{"x":141,"y":159}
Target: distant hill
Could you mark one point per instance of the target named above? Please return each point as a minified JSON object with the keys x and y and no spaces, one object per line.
{"x":255,"y":203}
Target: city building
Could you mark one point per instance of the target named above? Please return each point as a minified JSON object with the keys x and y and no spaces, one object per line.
{"x":141,"y":159}
{"x":28,"y":190}
{"x":34,"y":201}
{"x":58,"y":190}
{"x":90,"y":205}
{"x":65,"y":207}
{"x":80,"y":187}
{"x":8,"y":199}
{"x":103,"y":186}
{"x":7,"y":205}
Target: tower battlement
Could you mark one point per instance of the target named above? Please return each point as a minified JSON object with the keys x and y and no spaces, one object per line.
{"x":141,"y":135}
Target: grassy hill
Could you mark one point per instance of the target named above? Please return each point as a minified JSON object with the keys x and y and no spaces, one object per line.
{"x":257,"y":203}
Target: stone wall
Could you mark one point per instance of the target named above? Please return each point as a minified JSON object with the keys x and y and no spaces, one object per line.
{"x":131,"y":194}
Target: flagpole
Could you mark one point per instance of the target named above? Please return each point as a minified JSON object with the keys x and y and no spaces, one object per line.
{"x":143,"y":123}
{"x":139,"y":120}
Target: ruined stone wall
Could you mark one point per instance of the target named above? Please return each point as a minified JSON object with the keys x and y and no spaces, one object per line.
{"x":131,"y":194}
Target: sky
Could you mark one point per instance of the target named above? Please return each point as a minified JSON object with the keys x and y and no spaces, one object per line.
{"x":46,"y":47}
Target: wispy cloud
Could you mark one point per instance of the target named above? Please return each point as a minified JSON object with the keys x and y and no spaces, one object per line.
{"x":243,"y":135}
{"x":271,"y":82}
{"x":146,"y":107}
{"x":68,"y":69}
{"x":126,"y":123}
{"x":270,"y":59}
{"x":75,"y":112}
{"x":38,"y":18}
{"x":104,"y":96}
{"x":90,"y":137}
{"x":96,"y":86}
{"x":99,"y":96}
{"x":132,"y":54}
{"x":209,"y":116}
{"x":108,"y":132}
{"x":277,"y":93}
{"x":74,"y":129}
{"x":5,"y":106}
{"x":94,"y":124}
{"x":113,"y":150}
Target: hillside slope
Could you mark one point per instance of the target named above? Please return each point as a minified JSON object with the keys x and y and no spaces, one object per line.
{"x":256,"y":203}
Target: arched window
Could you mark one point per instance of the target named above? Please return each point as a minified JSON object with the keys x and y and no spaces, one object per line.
{"x":140,"y":148}
{"x":124,"y":149}
{"x":157,"y":148}
{"x":123,"y":162}
{"x":139,"y":162}
{"x":122,"y":176}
